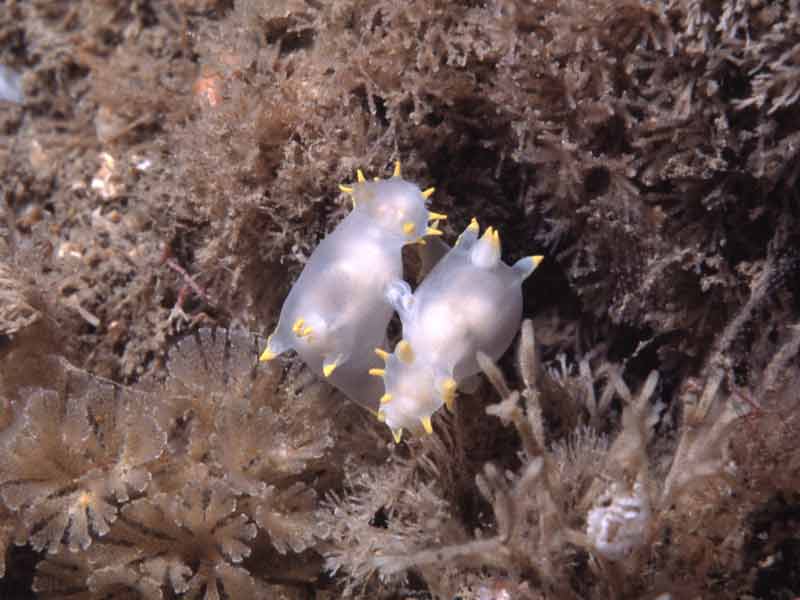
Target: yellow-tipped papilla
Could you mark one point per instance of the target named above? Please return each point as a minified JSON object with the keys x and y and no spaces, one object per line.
{"x":360,"y":176}
{"x":397,"y":434}
{"x":268,"y":354}
{"x":384,"y":355}
{"x":346,"y":189}
{"x":404,"y":352}
{"x":396,"y":169}
{"x":428,"y":192}
{"x":386,"y":398}
{"x":433,"y":231}
{"x":449,"y":387}
{"x":377,"y":372}
{"x":537,"y":260}
{"x":434,"y":216}
{"x":427,"y":425}
{"x":409,"y":228}
{"x":329,"y":368}
{"x":297,"y":326}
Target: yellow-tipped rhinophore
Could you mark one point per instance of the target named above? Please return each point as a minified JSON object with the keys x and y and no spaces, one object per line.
{"x":386,"y":398}
{"x":396,"y":169}
{"x":428,"y":193}
{"x":433,"y":231}
{"x":398,"y":435}
{"x":382,"y":353}
{"x":488,"y":235}
{"x":409,"y":228}
{"x":360,"y":176}
{"x":268,"y":354}
{"x":434,"y":216}
{"x":449,"y":387}
{"x":427,"y":425}
{"x":537,"y":260}
{"x":377,"y":372}
{"x":346,"y":189}
{"x":495,"y":238}
{"x":404,"y":352}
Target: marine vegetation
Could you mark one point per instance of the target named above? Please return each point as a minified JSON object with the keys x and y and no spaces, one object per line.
{"x":172,"y":172}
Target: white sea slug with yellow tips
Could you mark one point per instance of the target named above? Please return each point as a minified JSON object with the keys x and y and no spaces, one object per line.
{"x":470,"y":302}
{"x":337,"y":312}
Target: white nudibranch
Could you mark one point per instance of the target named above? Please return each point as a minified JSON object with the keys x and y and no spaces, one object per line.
{"x":470,"y":302}
{"x":336,"y":312}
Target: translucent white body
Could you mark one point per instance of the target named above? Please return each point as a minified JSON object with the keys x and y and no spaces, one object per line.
{"x":470,"y":302}
{"x":337,"y":313}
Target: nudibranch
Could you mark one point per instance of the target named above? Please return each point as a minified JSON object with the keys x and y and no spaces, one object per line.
{"x":470,"y":302}
{"x":337,"y":311}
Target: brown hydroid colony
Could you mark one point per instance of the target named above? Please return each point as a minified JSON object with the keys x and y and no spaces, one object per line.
{"x":174,"y":164}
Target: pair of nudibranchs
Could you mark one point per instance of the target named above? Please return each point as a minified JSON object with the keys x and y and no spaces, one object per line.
{"x":337,"y":313}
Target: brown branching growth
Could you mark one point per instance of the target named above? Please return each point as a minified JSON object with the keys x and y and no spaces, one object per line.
{"x":166,"y":488}
{"x":572,"y":500}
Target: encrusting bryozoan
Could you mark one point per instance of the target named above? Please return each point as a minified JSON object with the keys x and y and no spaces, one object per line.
{"x":337,"y":311}
{"x":470,"y":302}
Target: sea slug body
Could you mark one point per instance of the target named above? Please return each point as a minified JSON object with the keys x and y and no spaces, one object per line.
{"x":337,"y":312}
{"x":470,"y":302}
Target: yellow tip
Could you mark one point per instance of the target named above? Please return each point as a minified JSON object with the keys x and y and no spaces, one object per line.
{"x":427,"y":425}
{"x":536,"y":260}
{"x":382,"y":353}
{"x":329,"y":368}
{"x":409,"y":228}
{"x":396,"y":169}
{"x":360,"y":176}
{"x":428,"y":193}
{"x":449,"y":387}
{"x":473,"y":225}
{"x":404,"y":352}
{"x":386,"y":398}
{"x":421,"y":242}
{"x":377,"y":372}
{"x":297,"y":327}
{"x":381,"y":416}
{"x":306,"y":332}
{"x":436,"y":216}
{"x":495,"y":238}
{"x":433,"y":231}
{"x":398,"y":435}
{"x":267,"y":355}
{"x":346,"y":189}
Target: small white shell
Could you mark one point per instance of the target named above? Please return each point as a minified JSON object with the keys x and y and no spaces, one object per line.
{"x":620,"y":524}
